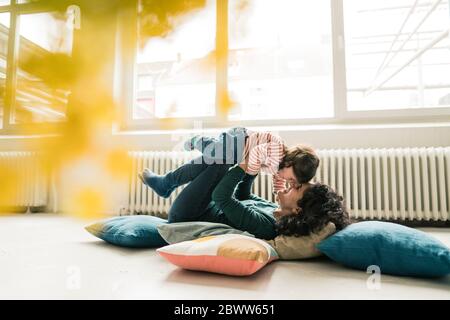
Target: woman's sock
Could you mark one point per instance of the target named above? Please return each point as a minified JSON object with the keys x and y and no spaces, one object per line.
{"x":158,"y":183}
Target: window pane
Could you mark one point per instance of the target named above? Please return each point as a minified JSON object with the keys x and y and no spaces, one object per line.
{"x":175,"y":76}
{"x":39,"y":34}
{"x":4,"y":2}
{"x":385,"y":67}
{"x":280,"y":61}
{"x":4,"y":34}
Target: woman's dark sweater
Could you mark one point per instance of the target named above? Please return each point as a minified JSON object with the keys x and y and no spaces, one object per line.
{"x":242,"y":210}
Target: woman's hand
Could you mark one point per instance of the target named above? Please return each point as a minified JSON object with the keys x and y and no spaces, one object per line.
{"x":244,"y":164}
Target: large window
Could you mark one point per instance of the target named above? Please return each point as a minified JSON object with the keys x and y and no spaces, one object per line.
{"x":397,"y":54}
{"x":28,"y":34}
{"x":296,"y":61}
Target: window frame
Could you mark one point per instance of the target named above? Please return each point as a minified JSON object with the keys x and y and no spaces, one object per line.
{"x":126,"y":73}
{"x":16,"y":9}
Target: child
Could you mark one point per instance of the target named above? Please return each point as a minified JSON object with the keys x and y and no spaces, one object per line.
{"x":264,"y":151}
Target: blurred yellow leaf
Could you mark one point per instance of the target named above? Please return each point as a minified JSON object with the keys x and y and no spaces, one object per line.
{"x":226,"y":103}
{"x":118,"y":163}
{"x":157,"y":17}
{"x":89,"y":203}
{"x":11,"y":179}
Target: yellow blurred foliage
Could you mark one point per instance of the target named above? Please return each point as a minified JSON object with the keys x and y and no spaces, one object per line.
{"x":226,"y":103}
{"x":92,"y":110}
{"x":10,"y":178}
{"x":118,"y":163}
{"x":88,"y":203}
{"x":157,"y":17}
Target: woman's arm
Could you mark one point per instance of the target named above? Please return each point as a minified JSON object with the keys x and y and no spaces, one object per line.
{"x":243,"y":190}
{"x":242,"y":217}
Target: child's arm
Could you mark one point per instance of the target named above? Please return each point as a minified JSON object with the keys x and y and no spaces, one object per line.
{"x":267,"y":156}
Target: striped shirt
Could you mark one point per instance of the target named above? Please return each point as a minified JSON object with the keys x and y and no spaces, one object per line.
{"x":265,"y":152}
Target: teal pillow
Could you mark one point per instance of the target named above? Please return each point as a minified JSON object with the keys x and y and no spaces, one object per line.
{"x":130,"y":231}
{"x":396,"y":249}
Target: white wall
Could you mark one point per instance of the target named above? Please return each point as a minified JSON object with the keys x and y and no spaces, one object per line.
{"x":321,"y":137}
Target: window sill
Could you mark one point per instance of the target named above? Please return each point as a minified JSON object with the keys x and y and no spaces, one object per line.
{"x":289,"y":128}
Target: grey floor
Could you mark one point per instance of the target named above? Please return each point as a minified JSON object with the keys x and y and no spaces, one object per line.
{"x":52,"y":257}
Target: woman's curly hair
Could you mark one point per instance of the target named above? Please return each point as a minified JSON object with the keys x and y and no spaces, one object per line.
{"x":319,"y":205}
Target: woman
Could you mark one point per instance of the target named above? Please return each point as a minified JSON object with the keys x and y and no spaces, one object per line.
{"x":219,"y":194}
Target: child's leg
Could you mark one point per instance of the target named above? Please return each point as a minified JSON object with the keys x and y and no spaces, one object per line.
{"x":228,"y":148}
{"x":164,"y":185}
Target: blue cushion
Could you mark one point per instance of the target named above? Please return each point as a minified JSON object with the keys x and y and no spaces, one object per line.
{"x":396,"y":249}
{"x":130,"y":231}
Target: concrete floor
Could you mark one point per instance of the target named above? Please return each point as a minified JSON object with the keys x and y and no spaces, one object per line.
{"x":52,"y":257}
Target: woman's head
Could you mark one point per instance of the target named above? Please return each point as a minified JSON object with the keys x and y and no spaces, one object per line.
{"x":289,"y":198}
{"x":315,"y":206}
{"x":299,"y":165}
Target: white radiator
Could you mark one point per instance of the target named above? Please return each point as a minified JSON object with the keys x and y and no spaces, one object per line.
{"x":141,"y":199}
{"x":383,"y":184}
{"x":390,"y":184}
{"x":30,"y":185}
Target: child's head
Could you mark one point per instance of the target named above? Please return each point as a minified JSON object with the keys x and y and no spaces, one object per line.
{"x":301,"y":162}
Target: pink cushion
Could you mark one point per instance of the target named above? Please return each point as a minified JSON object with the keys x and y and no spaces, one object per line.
{"x":230,"y":254}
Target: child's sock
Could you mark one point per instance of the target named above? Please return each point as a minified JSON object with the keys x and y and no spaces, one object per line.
{"x":157,"y":183}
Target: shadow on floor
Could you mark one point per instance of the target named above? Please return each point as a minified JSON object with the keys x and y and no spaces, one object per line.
{"x":256,"y":282}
